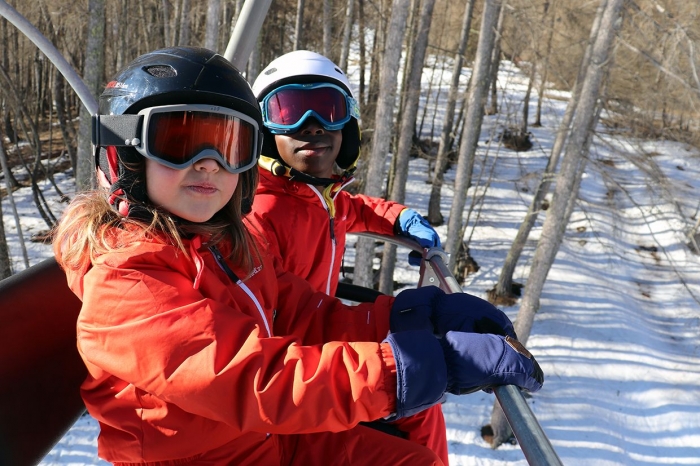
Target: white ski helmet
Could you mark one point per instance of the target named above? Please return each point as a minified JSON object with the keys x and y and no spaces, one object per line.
{"x":306,"y":67}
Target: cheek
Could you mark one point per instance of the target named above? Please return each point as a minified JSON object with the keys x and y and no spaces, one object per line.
{"x":159,"y":181}
{"x":282,"y":143}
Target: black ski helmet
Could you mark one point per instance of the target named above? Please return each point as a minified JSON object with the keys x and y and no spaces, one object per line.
{"x":305,"y":67}
{"x":169,"y":76}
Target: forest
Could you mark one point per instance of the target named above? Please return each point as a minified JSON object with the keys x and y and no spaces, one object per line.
{"x":628,"y":64}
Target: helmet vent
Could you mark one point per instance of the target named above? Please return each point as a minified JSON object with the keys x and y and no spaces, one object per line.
{"x":270,"y":71}
{"x":161,"y":71}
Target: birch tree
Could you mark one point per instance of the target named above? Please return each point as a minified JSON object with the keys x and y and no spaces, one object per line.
{"x":567,"y":183}
{"x":478,"y":87}
{"x":384,"y":116}
{"x":406,"y":132}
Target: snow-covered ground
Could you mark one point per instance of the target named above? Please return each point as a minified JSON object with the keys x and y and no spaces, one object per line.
{"x":617,"y":331}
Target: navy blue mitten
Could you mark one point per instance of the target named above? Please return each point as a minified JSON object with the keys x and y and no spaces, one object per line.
{"x":482,"y":361}
{"x":421,"y":374}
{"x":412,"y":224}
{"x":430,"y":308}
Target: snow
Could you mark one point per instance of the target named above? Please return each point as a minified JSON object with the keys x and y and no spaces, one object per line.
{"x":617,"y":330}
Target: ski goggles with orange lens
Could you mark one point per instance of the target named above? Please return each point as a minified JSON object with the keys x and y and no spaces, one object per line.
{"x":177,"y":136}
{"x":286,"y":109}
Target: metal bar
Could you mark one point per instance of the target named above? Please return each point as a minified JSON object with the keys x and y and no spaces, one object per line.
{"x":532,"y":440}
{"x":48,"y":49}
{"x":245,"y":33}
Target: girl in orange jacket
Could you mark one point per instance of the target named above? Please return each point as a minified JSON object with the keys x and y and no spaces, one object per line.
{"x":200,"y":349}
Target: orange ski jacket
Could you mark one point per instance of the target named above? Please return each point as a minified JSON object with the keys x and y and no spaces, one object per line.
{"x":187,"y":364}
{"x":305,"y":225}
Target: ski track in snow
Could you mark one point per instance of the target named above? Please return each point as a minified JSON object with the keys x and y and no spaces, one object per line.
{"x":616,"y":333}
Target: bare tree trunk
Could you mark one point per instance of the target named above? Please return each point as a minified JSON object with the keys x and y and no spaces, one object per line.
{"x":496,"y":61}
{"x":185,"y":31}
{"x":60,"y":105}
{"x":409,"y":40}
{"x":568,"y":181}
{"x":448,"y":130}
{"x":478,"y":87}
{"x":347,"y":33}
{"x":408,"y":127}
{"x":327,"y":27}
{"x":168,"y":36}
{"x":582,"y":124}
{"x":363,"y":51}
{"x":549,"y":10}
{"x":211,"y":33}
{"x":5,"y":262}
{"x":253,"y":65}
{"x":92,"y":75}
{"x":504,"y":286}
{"x":299,"y":26}
{"x":363,"y":274}
{"x":123,"y":31}
{"x":526,"y":100}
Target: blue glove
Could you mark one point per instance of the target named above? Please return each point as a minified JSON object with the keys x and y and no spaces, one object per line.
{"x":421,"y":374}
{"x":410,"y":223}
{"x":481,"y":362}
{"x":430,"y":308}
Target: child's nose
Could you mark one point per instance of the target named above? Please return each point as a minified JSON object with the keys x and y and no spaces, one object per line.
{"x":312,"y":126}
{"x":209,"y":165}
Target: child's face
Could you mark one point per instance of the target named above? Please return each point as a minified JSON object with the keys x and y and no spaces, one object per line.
{"x":311,"y":150}
{"x":195,"y":193}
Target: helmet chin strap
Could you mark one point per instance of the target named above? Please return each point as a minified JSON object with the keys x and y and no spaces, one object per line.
{"x":279,"y":168}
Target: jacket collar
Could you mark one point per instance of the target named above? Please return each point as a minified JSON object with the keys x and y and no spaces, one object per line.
{"x":278,"y":168}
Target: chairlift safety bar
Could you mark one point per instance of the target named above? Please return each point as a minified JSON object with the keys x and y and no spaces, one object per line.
{"x":533,"y":441}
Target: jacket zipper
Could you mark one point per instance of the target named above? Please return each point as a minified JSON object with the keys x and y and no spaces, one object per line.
{"x":219,"y":258}
{"x":331,"y":217}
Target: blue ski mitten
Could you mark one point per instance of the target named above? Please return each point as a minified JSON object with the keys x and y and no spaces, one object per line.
{"x":430,"y":308}
{"x":412,"y":224}
{"x":481,"y":361}
{"x":421,"y":374}
{"x":460,"y":363}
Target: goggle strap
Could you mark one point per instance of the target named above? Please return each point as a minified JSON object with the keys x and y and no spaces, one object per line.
{"x":116,"y":130}
{"x":353,"y":107}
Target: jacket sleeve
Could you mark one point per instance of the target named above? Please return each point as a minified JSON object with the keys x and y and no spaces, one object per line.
{"x":318,"y":318}
{"x":372,"y":214}
{"x":146,"y":325}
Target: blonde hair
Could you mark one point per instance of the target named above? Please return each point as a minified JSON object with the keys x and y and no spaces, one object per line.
{"x":86,"y":229}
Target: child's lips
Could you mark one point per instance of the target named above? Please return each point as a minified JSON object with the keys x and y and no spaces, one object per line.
{"x":204,"y":188}
{"x":312,"y":148}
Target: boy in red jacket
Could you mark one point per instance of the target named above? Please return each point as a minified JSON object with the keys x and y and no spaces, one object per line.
{"x":311,"y":127}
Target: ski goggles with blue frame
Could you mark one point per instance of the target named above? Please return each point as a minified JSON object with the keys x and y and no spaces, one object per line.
{"x":286,"y":109}
{"x":177,"y":136}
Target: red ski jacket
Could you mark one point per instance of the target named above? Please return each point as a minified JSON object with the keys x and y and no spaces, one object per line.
{"x":306,"y":225}
{"x":189,"y":365}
